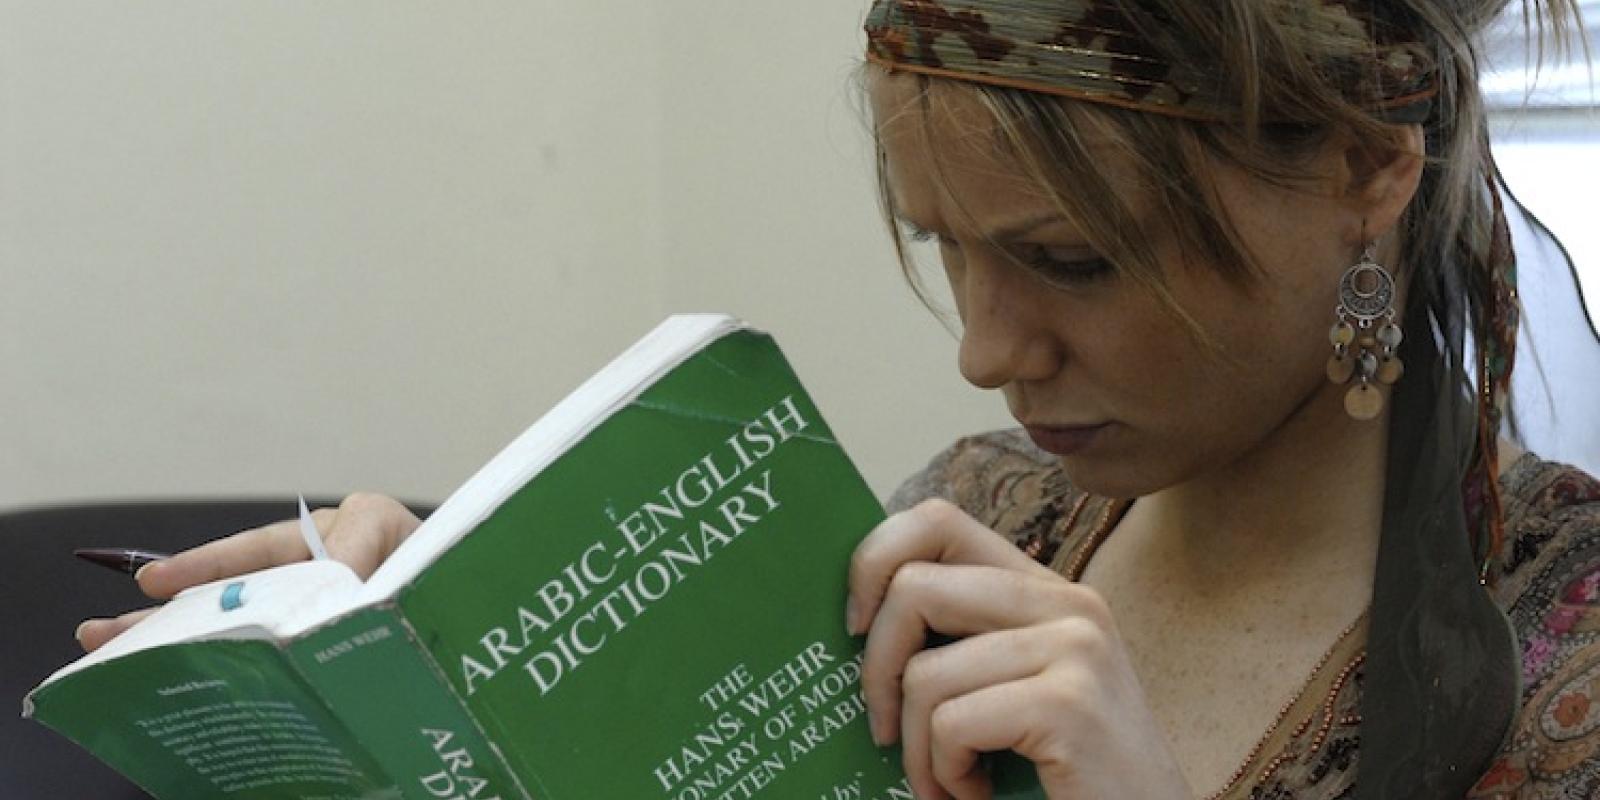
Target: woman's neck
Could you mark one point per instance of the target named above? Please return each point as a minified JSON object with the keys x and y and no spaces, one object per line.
{"x":1306,"y":503}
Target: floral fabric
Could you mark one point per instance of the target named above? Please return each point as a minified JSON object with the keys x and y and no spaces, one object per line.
{"x":1548,"y":585}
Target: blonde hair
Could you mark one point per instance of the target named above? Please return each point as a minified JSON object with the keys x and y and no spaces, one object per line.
{"x":1290,"y":101}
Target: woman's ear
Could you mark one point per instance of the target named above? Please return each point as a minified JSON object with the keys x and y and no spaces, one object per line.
{"x":1382,"y":177}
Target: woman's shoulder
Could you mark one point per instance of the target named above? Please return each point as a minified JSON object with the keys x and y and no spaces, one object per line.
{"x":1003,"y":481}
{"x":1552,"y":524}
{"x":967,"y":472}
{"x":1549,"y":587}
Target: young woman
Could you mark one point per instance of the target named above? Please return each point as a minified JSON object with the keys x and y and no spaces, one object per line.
{"x":1258,"y":536}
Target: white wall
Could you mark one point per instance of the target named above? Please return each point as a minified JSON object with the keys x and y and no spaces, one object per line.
{"x":260,"y":248}
{"x":770,"y":211}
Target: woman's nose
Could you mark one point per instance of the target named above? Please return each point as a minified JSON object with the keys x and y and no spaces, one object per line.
{"x":1008,"y":330}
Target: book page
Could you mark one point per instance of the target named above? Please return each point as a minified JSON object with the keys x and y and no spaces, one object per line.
{"x":273,"y":604}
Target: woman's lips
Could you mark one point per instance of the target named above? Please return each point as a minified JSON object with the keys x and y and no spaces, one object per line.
{"x":1064,"y":440}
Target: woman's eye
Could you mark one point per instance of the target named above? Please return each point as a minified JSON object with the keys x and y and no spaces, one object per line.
{"x":1065,"y":266}
{"x":921,"y":235}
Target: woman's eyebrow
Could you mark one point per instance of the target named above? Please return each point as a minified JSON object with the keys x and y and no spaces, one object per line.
{"x":1006,"y":232}
{"x":1022,"y":227}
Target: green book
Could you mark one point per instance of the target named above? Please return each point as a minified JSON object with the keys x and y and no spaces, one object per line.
{"x":641,"y":597}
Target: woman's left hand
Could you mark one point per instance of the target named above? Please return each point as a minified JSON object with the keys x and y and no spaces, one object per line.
{"x":1038,"y":668}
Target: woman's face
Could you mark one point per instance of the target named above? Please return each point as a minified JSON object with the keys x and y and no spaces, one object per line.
{"x":1092,"y":363}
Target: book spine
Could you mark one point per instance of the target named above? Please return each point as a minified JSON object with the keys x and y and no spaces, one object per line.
{"x":371,"y":671}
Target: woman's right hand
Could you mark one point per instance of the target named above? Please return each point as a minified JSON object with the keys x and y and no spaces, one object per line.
{"x":361,"y":532}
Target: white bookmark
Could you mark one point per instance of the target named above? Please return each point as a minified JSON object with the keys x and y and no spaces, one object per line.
{"x":308,"y":532}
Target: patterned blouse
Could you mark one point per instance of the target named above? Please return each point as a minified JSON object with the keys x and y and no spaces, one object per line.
{"x":1549,"y":587}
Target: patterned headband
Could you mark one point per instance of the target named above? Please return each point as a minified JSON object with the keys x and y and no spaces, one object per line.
{"x":1098,"y":50}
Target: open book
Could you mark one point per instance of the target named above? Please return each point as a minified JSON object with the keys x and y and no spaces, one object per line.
{"x":640,"y":597}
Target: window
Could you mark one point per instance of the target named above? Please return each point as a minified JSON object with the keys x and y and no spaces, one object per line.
{"x":1545,"y":129}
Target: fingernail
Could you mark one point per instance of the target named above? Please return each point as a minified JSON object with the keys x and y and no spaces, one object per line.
{"x":872,"y":727}
{"x":850,"y":615}
{"x":78,"y":634}
{"x":139,"y":573}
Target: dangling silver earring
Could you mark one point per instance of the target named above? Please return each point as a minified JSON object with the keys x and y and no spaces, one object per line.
{"x":1365,"y":336}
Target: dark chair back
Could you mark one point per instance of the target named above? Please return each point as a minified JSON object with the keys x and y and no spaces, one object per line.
{"x":45,"y":593}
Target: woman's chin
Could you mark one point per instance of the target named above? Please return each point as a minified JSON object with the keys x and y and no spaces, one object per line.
{"x":1122,"y":478}
{"x":1097,"y":483}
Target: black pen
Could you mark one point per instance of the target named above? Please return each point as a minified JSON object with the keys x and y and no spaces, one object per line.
{"x":120,"y":559}
{"x":130,"y":561}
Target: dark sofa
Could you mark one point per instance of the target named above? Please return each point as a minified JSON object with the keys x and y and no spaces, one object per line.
{"x":46,"y":592}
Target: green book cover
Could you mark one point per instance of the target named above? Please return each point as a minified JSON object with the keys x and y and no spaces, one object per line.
{"x":641,"y":597}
